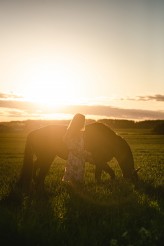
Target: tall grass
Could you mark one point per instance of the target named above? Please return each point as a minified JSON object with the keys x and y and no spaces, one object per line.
{"x":111,"y":213}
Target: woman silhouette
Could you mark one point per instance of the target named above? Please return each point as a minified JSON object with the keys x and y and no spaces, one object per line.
{"x":74,"y":139}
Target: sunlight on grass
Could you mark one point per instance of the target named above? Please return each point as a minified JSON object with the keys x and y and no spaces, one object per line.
{"x":115,"y":212}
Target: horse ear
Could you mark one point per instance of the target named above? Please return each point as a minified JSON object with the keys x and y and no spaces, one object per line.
{"x":135,"y":175}
{"x":137,"y":170}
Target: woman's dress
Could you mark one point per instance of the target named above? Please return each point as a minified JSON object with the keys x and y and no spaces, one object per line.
{"x":75,"y":167}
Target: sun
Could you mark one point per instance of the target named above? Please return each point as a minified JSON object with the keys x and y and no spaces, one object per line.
{"x":54,"y":83}
{"x":49,"y":96}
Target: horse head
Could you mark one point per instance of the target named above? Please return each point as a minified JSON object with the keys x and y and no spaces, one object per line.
{"x":132,"y":176}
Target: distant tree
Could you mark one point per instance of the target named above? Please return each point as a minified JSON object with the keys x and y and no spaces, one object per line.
{"x":117,"y":123}
{"x":148,"y":124}
{"x":120,"y":124}
{"x":159,"y":129}
{"x":4,"y":128}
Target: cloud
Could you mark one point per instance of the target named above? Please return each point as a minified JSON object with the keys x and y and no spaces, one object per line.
{"x":157,"y":97}
{"x":16,"y":104}
{"x":120,"y":113}
{"x":23,"y":109}
{"x":9,"y":96}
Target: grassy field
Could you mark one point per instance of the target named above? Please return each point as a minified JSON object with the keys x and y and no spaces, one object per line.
{"x":110,"y":214}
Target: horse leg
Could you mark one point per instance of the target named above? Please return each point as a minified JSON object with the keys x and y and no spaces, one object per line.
{"x":36,"y":170}
{"x":27,"y":169}
{"x":108,"y":170}
{"x":44,"y":166}
{"x":98,"y":172}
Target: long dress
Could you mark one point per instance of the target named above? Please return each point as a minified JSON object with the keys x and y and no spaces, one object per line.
{"x":75,"y":166}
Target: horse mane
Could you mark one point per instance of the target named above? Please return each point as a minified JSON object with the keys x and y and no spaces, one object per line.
{"x":103,"y":127}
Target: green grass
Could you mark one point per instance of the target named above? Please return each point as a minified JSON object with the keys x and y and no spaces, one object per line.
{"x":115,"y":213}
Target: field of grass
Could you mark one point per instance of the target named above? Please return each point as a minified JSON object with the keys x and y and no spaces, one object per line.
{"x":111,"y":213}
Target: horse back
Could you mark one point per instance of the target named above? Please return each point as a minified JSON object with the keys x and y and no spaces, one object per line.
{"x":99,"y":139}
{"x":48,"y":138}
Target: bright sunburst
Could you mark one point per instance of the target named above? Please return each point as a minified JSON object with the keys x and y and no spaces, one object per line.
{"x":54,"y":83}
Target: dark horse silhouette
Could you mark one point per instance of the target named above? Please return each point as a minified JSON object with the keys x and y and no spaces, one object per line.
{"x":45,"y":143}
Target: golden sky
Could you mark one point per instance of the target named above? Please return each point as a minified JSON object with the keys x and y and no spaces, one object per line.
{"x":56,"y":53}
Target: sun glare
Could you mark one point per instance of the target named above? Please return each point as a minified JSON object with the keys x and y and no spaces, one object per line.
{"x":54,"y":84}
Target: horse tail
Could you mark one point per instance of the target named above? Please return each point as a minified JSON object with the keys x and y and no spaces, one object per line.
{"x":27,"y":168}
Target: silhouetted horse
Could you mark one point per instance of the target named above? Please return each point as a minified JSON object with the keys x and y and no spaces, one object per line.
{"x":45,"y":143}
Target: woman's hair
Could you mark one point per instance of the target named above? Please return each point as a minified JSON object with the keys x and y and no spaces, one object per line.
{"x":77,"y":124}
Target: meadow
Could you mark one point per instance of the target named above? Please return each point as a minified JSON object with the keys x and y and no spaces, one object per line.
{"x":111,"y":213}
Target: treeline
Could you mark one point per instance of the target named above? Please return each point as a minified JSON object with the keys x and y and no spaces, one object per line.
{"x":29,"y":125}
{"x":125,"y":124}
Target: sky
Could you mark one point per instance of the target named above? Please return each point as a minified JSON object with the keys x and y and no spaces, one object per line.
{"x":101,"y":58}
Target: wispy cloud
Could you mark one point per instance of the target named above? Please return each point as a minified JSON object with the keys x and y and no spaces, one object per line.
{"x":16,"y":104}
{"x":12,"y":106}
{"x":29,"y":110}
{"x":113,"y":112}
{"x":157,"y":97}
{"x":9,"y":96}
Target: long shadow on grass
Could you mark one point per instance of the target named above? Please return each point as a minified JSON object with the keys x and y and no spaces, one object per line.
{"x":115,"y":214}
{"x":29,"y":219}
{"x":123,"y":219}
{"x":151,"y":190}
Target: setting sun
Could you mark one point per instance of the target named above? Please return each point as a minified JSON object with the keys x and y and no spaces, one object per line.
{"x":54,"y":83}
